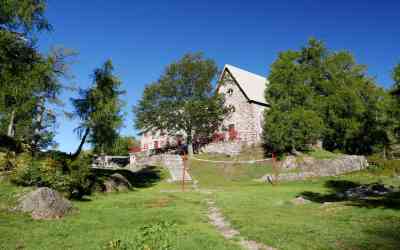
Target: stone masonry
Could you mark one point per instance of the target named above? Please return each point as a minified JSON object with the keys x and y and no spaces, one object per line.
{"x":173,"y":163}
{"x":247,"y":117}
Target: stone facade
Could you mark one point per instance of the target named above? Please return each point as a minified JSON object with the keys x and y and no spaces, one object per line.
{"x":247,"y":118}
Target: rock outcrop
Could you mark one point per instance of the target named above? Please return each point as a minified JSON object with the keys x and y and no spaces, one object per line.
{"x":308,"y":167}
{"x":44,"y":203}
{"x":116,"y":183}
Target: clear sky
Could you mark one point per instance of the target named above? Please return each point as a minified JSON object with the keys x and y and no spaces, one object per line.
{"x":142,"y":37}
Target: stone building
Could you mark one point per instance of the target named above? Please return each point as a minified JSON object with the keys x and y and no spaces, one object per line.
{"x":244,"y":93}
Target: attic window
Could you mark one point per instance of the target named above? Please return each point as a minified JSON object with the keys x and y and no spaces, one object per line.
{"x":231,"y":108}
{"x":230,"y":92}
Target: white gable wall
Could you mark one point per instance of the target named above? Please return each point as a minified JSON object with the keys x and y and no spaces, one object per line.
{"x":247,"y":117}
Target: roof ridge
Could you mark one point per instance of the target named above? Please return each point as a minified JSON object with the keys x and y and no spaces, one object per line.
{"x":246,"y":71}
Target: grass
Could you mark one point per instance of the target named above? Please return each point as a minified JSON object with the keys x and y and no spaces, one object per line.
{"x":322,"y":154}
{"x":221,"y":175}
{"x":264,"y":213}
{"x":158,"y":216}
{"x":146,"y":217}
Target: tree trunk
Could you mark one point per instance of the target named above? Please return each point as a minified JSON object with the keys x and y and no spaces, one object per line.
{"x":10,"y":130}
{"x":78,"y":151}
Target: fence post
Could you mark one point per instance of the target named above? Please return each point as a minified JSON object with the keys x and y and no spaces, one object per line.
{"x":184,"y":160}
{"x":275,"y":170}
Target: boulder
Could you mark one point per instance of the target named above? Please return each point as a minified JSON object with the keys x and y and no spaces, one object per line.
{"x":299,"y":201}
{"x":44,"y":203}
{"x":116,"y":182}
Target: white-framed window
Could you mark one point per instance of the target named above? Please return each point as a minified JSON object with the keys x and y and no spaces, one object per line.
{"x":229,"y":92}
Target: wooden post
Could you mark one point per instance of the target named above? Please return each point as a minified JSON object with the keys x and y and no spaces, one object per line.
{"x":184,"y":160}
{"x":275,"y":170}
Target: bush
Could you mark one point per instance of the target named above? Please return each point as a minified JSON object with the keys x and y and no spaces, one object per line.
{"x":379,"y":165}
{"x":28,"y":171}
{"x":72,"y":177}
{"x":80,"y":179}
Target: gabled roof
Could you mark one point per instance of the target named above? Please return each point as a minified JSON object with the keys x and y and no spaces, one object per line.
{"x":251,"y":84}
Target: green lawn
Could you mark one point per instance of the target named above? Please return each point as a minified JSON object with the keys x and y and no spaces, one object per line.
{"x":264,"y":213}
{"x":159,"y":216}
{"x":147,"y":218}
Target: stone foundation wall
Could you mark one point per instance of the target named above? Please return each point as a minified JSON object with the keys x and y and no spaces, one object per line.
{"x":227,"y":148}
{"x":309,"y":167}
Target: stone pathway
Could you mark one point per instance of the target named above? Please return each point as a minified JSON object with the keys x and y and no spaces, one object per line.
{"x":225,"y":228}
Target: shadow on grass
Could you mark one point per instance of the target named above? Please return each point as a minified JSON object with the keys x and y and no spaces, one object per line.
{"x":338,"y":190}
{"x":146,"y":177}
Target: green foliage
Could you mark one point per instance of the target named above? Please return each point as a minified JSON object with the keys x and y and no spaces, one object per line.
{"x":79,"y":180}
{"x":30,"y":87}
{"x":322,"y":154}
{"x":122,"y":145}
{"x":295,"y":129}
{"x":73,"y":177}
{"x":27,"y":15}
{"x":378,"y":165}
{"x":395,"y":107}
{"x":28,"y":172}
{"x":182,"y":100}
{"x":159,"y":235}
{"x":396,"y":77}
{"x":318,"y":94}
{"x":99,"y":109}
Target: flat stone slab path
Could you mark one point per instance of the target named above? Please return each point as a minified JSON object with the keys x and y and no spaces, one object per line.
{"x":225,"y":228}
{"x":222,"y":224}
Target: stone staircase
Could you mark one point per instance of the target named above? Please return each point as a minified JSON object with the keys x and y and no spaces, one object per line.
{"x":174,"y":164}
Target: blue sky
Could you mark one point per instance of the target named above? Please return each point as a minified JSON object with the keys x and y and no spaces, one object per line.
{"x":142,"y":37}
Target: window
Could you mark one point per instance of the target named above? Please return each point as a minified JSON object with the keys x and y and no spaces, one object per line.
{"x":230,"y":92}
{"x":232,"y":108}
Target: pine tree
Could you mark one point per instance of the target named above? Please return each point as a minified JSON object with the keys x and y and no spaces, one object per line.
{"x":99,"y":110}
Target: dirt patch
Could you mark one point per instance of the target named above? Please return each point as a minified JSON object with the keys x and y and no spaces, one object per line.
{"x":160,"y":202}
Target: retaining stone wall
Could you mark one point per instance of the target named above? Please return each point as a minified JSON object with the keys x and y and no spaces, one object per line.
{"x":227,"y":148}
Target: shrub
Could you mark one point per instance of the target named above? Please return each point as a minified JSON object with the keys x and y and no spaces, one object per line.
{"x":3,"y":161}
{"x":72,"y":177}
{"x":379,"y":165}
{"x":158,"y":235}
{"x":23,"y":170}
{"x":79,"y":180}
